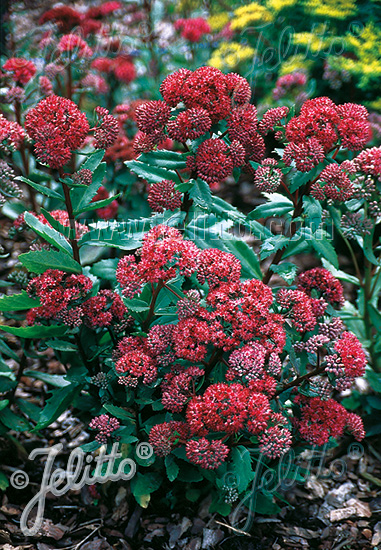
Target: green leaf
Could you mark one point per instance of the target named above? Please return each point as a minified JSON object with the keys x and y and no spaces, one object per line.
{"x":152,"y":174}
{"x":90,"y":447}
{"x":246,"y":255}
{"x":61,"y":345}
{"x":164,"y":159}
{"x":105,"y":269}
{"x":35,"y":331}
{"x":55,"y":380}
{"x":98,"y":204}
{"x":241,"y":467}
{"x":286,"y":270}
{"x":58,"y":226}
{"x":39,"y":261}
{"x":18,"y":302}
{"x":60,"y":400}
{"x":93,"y":160}
{"x":143,"y":485}
{"x":4,"y":482}
{"x":271,"y":209}
{"x":340,"y":274}
{"x":273,"y":244}
{"x":171,"y":467}
{"x":14,"y":422}
{"x":48,"y":233}
{"x":119,"y":412}
{"x":134,"y":304}
{"x":6,"y":383}
{"x":82,"y":199}
{"x":3,"y":403}
{"x":313,"y":211}
{"x":122,"y":235}
{"x":200,"y":193}
{"x":324,"y":248}
{"x":43,"y":189}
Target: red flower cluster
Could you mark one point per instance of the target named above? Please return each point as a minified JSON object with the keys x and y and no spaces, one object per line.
{"x":272,"y":118}
{"x":57,"y":127}
{"x":321,"y":126}
{"x":268,"y":177}
{"x":105,"y":309}
{"x":207,"y":454}
{"x":11,"y":135}
{"x":105,"y":425}
{"x":106,"y":133}
{"x":324,"y":284}
{"x":57,"y":292}
{"x":67,"y":18}
{"x":164,"y":252}
{"x":333,"y":184}
{"x":22,"y":70}
{"x":73,"y":44}
{"x":165,"y":437}
{"x":319,"y":420}
{"x":163,"y":196}
{"x":193,"y":29}
{"x":301,"y":309}
{"x":121,"y":67}
{"x":369,"y":161}
{"x":287,"y":82}
{"x":347,"y":363}
{"x":178,"y":386}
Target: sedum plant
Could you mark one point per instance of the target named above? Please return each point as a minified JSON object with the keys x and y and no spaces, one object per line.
{"x":175,"y":336}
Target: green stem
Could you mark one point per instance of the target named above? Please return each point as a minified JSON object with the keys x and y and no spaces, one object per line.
{"x":300,"y":379}
{"x":151,"y":311}
{"x":69,"y":208}
{"x":369,"y":328}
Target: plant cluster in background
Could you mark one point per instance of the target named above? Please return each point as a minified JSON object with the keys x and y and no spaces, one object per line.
{"x":122,"y":127}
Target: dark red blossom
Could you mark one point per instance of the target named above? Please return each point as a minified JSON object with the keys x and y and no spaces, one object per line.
{"x":206,"y":88}
{"x":268,"y":176}
{"x":65,"y":17}
{"x":72,"y":43}
{"x":193,"y":29}
{"x":189,"y":124}
{"x":238,"y":88}
{"x":152,"y":116}
{"x":56,"y":290}
{"x":162,"y":196}
{"x":105,"y":425}
{"x":207,"y":454}
{"x":107,"y":131}
{"x":58,"y":127}
{"x":216,"y":267}
{"x":273,"y":117}
{"x":324,"y":283}
{"x":104,"y":309}
{"x":136,"y":366}
{"x":22,"y":70}
{"x":11,"y":135}
{"x":333,"y":184}
{"x":166,"y":436}
{"x":319,"y":420}
{"x":172,"y":85}
{"x":213,"y":161}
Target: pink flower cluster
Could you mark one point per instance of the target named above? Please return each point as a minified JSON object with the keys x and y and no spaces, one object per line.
{"x":321,"y":127}
{"x":58,"y":127}
{"x":105,"y":425}
{"x":209,"y":96}
{"x":193,"y":29}
{"x":319,"y":420}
